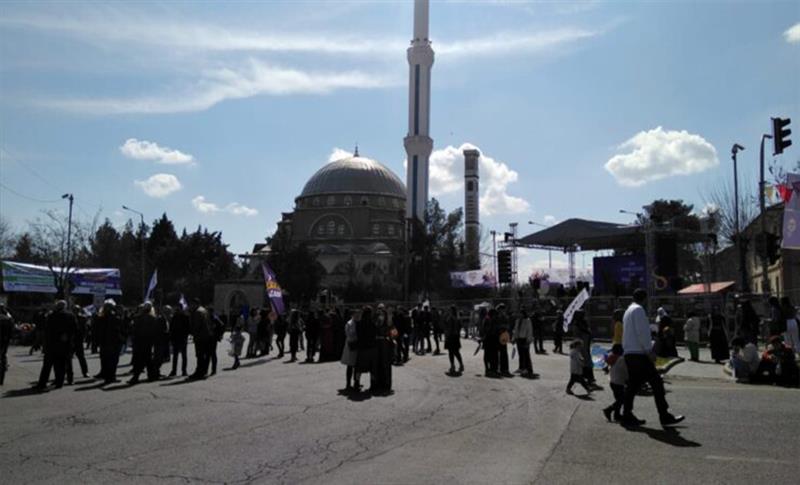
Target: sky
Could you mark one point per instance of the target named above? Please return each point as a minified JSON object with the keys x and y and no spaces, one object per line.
{"x":218,"y":112}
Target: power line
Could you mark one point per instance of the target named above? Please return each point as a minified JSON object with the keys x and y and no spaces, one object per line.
{"x":33,"y":199}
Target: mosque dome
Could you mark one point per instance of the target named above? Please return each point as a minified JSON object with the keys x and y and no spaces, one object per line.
{"x":354,"y":175}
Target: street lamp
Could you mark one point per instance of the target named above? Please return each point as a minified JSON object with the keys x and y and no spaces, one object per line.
{"x":742,"y":266}
{"x":68,"y":259}
{"x":141,"y":231}
{"x":549,"y":251}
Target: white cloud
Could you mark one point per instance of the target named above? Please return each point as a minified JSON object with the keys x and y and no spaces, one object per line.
{"x":550,"y":220}
{"x":219,"y":85}
{"x":159,"y":185}
{"x":148,"y":150}
{"x":792,"y":34}
{"x":659,"y":153}
{"x":202,"y":205}
{"x":447,"y":176}
{"x":338,"y":154}
{"x":108,"y":28}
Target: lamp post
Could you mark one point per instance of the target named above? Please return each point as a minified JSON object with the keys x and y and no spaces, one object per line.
{"x":65,"y":266}
{"x":549,"y":251}
{"x":141,"y":245}
{"x":494,"y":257}
{"x":762,"y":203}
{"x":743,"y":286}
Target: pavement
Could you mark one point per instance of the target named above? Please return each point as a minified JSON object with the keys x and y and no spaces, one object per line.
{"x":276,"y":422}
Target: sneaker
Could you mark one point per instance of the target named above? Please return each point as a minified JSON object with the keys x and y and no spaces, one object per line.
{"x":607,"y":414}
{"x":670,"y":420}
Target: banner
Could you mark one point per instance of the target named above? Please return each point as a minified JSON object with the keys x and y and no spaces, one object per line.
{"x":619,"y":274}
{"x":573,"y":307}
{"x":273,"y":289}
{"x":472,"y":279}
{"x":791,"y":214}
{"x":30,"y":278}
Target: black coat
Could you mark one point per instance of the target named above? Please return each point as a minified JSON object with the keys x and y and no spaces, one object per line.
{"x":179,"y":327}
{"x":59,"y":333}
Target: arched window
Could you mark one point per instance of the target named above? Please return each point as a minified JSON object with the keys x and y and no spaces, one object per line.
{"x":381,"y":201}
{"x":316,"y":202}
{"x":341,"y":229}
{"x":390,"y":229}
{"x":331,"y":200}
{"x":376,"y":229}
{"x":321,"y":230}
{"x":331,"y":227}
{"x":348,"y":201}
{"x":364,"y":201}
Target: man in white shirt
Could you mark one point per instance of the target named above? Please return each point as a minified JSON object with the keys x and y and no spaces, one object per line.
{"x":640,"y":360}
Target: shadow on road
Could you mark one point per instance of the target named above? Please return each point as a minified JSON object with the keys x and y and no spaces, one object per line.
{"x":670,"y":436}
{"x":28,"y":391}
{"x":90,"y":388}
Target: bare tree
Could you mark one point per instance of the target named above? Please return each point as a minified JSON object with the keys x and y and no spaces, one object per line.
{"x":61,"y":249}
{"x":7,"y":239}
{"x":721,"y":198}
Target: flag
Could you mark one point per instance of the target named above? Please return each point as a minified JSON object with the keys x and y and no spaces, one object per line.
{"x":573,"y":307}
{"x":791,"y":214}
{"x":273,"y":289}
{"x":152,"y":286}
{"x":785,"y":192}
{"x":182,"y":302}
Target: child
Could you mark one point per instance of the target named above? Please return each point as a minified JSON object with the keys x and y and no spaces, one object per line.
{"x":237,"y":342}
{"x":618,"y":376}
{"x":576,"y":367}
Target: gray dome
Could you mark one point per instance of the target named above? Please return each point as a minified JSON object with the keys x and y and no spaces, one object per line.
{"x":355,"y":175}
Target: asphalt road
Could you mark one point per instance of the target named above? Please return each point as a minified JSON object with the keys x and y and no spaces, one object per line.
{"x":274,"y":422}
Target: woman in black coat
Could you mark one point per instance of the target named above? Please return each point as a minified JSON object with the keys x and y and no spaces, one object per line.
{"x":718,"y":337}
{"x":367,"y":346}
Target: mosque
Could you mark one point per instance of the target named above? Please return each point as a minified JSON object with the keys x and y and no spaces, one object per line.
{"x":351,"y":214}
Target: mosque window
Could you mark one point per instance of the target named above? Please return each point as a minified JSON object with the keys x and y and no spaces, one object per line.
{"x":348,"y":201}
{"x":316,"y":201}
{"x":321,"y":230}
{"x":364,"y":201}
{"x":376,"y":229}
{"x":395,"y":203}
{"x":341,"y":229}
{"x":331,"y":200}
{"x":470,"y":186}
{"x":382,"y":201}
{"x":390,"y":229}
{"x":331,"y":228}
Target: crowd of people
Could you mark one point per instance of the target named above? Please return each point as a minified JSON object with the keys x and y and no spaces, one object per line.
{"x":372,"y":341}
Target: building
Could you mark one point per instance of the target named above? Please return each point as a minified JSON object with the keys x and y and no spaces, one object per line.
{"x":350,"y":214}
{"x":783,"y":274}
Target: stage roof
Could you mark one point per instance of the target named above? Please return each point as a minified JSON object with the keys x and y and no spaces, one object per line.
{"x":597,"y":235}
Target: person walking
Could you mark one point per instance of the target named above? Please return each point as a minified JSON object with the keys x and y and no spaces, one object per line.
{"x":523,"y":335}
{"x":280,"y":333}
{"x":504,"y":327}
{"x":576,"y":365}
{"x":618,"y":376}
{"x":217,"y":333}
{"x":538,"y":333}
{"x":312,"y":335}
{"x":691,"y":335}
{"x":452,"y":341}
{"x":77,"y":348}
{"x":583,"y":333}
{"x":490,"y":336}
{"x":237,"y":343}
{"x":59,"y":335}
{"x":640,"y":361}
{"x":366,"y":335}
{"x":384,"y":347}
{"x":252,"y":333}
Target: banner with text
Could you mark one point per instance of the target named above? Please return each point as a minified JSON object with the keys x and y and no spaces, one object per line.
{"x":31,"y":278}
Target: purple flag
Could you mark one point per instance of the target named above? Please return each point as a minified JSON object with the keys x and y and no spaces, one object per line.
{"x":273,"y":289}
{"x":791,"y":215}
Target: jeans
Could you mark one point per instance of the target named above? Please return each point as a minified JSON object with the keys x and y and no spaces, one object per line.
{"x":524,"y":351}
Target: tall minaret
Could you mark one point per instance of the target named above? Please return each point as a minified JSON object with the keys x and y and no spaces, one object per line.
{"x":472,"y":224}
{"x":418,"y":142}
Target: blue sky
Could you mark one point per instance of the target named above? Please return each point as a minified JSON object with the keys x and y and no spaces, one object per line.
{"x":217,"y":113}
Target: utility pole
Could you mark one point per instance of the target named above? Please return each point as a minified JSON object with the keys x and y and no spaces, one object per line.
{"x":494,"y":257}
{"x":67,"y":263}
{"x":762,"y":203}
{"x":141,"y":246}
{"x":743,"y":283}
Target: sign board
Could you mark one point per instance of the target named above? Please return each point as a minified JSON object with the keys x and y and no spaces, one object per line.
{"x":573,"y":307}
{"x":31,"y":278}
{"x":472,"y":279}
{"x":791,"y":214}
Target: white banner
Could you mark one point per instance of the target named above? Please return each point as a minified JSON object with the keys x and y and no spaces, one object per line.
{"x":573,"y":307}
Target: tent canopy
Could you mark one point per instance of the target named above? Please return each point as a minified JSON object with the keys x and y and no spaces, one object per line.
{"x":700,"y":288}
{"x":597,"y":235}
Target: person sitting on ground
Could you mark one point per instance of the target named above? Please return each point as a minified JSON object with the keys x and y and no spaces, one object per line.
{"x":744,"y":359}
{"x":778,"y":363}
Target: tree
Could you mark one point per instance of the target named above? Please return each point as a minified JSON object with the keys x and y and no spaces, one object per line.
{"x":60,"y":247}
{"x":6,"y":239}
{"x":296,"y":268}
{"x":721,"y":198}
{"x":437,"y":252}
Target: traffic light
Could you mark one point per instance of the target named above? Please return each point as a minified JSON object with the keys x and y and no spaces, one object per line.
{"x":773,"y":248}
{"x":780,"y":134}
{"x":504,"y":266}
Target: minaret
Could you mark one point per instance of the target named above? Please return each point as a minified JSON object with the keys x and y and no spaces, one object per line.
{"x":472,"y":224}
{"x":418,"y":142}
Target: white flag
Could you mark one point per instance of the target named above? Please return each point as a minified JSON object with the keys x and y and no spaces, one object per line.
{"x":152,"y":286}
{"x":576,"y":305}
